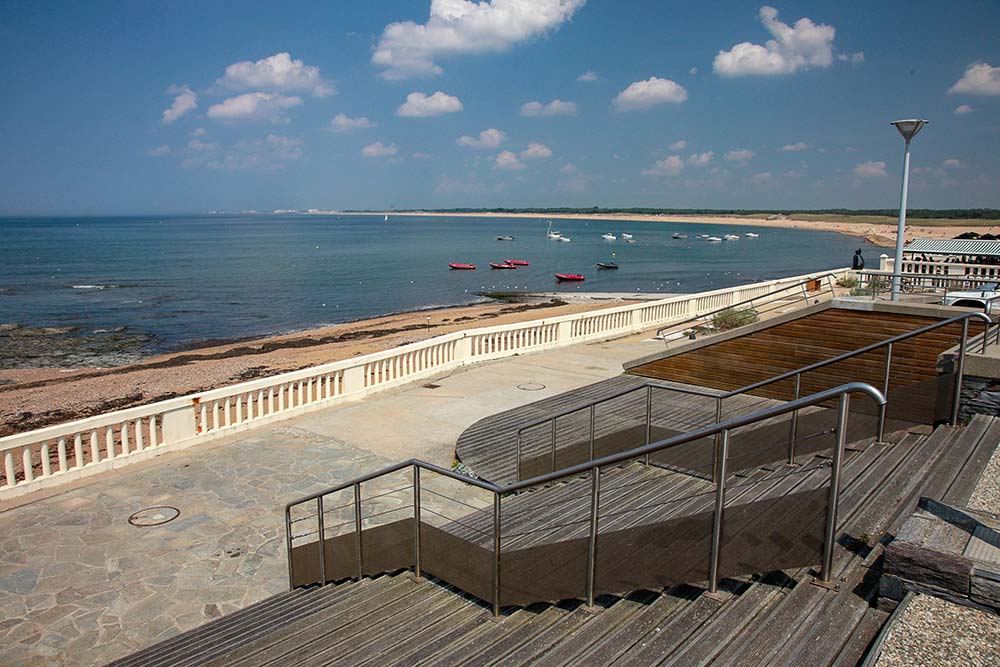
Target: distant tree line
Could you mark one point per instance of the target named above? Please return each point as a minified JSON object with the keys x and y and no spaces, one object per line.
{"x":918,"y":213}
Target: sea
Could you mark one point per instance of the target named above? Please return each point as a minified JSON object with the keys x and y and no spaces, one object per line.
{"x":179,"y":282}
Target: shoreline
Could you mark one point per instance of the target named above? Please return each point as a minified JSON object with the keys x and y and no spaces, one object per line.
{"x":35,"y":397}
{"x":880,"y":233}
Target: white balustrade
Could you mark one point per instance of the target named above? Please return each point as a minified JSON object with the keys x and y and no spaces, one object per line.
{"x":44,"y":457}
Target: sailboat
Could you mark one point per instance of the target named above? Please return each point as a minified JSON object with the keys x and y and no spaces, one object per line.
{"x":387,"y":217}
{"x":549,"y":234}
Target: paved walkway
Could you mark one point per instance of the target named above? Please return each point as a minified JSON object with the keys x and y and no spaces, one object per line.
{"x":79,"y":585}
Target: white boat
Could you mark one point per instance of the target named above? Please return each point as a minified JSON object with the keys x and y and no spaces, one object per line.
{"x":704,"y":236}
{"x":731,"y":237}
{"x":387,"y":217}
{"x":549,"y":234}
{"x":609,"y":237}
{"x":564,"y":239}
{"x":626,"y":236}
{"x":751,"y":235}
{"x":714,"y":239}
{"x":678,"y":235}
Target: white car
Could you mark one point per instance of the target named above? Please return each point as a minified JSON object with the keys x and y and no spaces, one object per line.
{"x":982,"y":298}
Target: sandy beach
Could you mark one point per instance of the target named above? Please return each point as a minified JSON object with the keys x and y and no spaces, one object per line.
{"x":876,"y":230}
{"x":35,"y":397}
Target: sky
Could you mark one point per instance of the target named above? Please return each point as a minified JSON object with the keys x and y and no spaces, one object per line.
{"x":188,"y":107}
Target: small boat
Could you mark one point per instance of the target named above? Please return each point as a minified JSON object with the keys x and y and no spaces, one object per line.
{"x":505,"y":238}
{"x":751,"y":235}
{"x":569,"y":277}
{"x":609,"y":237}
{"x":626,"y":236}
{"x":630,"y":241}
{"x":457,"y":266}
{"x":549,"y":234}
{"x":516,"y":262}
{"x":704,"y":236}
{"x":387,"y":218}
{"x":731,"y":237}
{"x":678,"y":235}
{"x":564,"y":239}
{"x":495,"y":265}
{"x":607,"y":265}
{"x":714,"y":239}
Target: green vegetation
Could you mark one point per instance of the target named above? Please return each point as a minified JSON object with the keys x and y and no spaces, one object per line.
{"x":849,"y":282}
{"x":875,"y":286}
{"x":732,"y":318}
{"x":830,"y":214}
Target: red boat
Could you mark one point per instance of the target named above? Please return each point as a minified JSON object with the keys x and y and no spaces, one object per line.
{"x":462,"y":267}
{"x":494,"y":265}
{"x":516,"y":262}
{"x":575,"y":277}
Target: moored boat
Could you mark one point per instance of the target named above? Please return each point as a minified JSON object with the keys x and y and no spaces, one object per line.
{"x":609,"y":237}
{"x":751,"y":235}
{"x":505,"y":238}
{"x":497,"y":265}
{"x":516,"y":262}
{"x":458,"y":266}
{"x":731,"y":237}
{"x":678,"y":235}
{"x":714,"y":239}
{"x":607,"y":265}
{"x":626,"y":236}
{"x":569,"y":277}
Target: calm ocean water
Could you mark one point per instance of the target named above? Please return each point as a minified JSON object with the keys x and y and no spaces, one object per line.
{"x":189,"y":279}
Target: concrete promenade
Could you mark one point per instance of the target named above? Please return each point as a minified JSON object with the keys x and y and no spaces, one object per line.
{"x":80,"y":585}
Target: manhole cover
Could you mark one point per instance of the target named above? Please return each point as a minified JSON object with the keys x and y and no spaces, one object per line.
{"x":154,"y":516}
{"x":531,"y":386}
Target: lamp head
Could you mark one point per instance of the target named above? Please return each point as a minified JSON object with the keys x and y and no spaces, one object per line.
{"x":909,"y":128}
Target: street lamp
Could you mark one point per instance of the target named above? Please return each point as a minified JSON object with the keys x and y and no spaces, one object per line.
{"x":908,"y":129}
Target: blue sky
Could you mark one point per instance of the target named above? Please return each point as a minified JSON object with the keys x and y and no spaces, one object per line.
{"x":173,"y":107}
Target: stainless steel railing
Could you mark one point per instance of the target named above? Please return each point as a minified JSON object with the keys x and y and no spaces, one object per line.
{"x":593,"y":468}
{"x":794,"y":375}
{"x":799,"y":287}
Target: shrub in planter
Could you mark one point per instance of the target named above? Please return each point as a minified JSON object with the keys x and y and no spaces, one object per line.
{"x":731,"y":318}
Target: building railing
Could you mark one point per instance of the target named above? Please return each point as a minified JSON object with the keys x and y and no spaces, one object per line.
{"x":57,"y":454}
{"x":795,"y":376}
{"x":877,"y":284}
{"x":593,"y":469}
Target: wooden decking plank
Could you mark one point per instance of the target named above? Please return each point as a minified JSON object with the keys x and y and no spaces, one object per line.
{"x":960,"y":490}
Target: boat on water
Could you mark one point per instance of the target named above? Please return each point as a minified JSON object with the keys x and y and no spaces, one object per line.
{"x":704,"y":236}
{"x":554,"y":235}
{"x":714,"y":239}
{"x":626,"y":236}
{"x":607,"y":265}
{"x":564,"y":239}
{"x":516,"y":262}
{"x":678,"y":235}
{"x":497,"y":265}
{"x":569,"y":277}
{"x":387,"y":218}
{"x":458,"y":266}
{"x":629,"y":240}
{"x":731,"y":237}
{"x":609,"y":237}
{"x":751,"y":235}
{"x":505,"y":238}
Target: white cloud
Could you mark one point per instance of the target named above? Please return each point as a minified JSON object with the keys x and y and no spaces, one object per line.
{"x":979,"y":79}
{"x":271,"y":107}
{"x":796,"y":147}
{"x":277,"y":73}
{"x":185,"y":101}
{"x":701,"y":159}
{"x":853,"y":58}
{"x":802,"y":46}
{"x":693,"y":71}
{"x":953,"y":163}
{"x":553,"y":108}
{"x":508,"y":160}
{"x":649,"y":93}
{"x":536,"y":151}
{"x":344,"y":123}
{"x":418,"y":105}
{"x":588,"y":76}
{"x":378,"y":149}
{"x":739,"y":155}
{"x":963,"y":109}
{"x":678,"y":145}
{"x":869,"y":169}
{"x":159,"y":150}
{"x":408,"y":49}
{"x":197,"y":132}
{"x":668,"y":166}
{"x":490,"y":138}
{"x":266,"y":154}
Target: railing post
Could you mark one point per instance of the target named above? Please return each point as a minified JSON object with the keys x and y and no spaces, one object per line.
{"x":357,"y":528}
{"x":986,"y":333}
{"x":416,"y":522}
{"x":886,"y":374}
{"x":288,"y":546}
{"x":554,"y":443}
{"x":592,"y":410}
{"x":595,"y":494}
{"x":518,"y":452}
{"x":718,"y":438}
{"x":496,"y":554}
{"x":322,"y":541}
{"x":834,"y":497}
{"x":649,"y":416}
{"x":721,"y":454}
{"x":794,"y":435}
{"x":959,"y":371}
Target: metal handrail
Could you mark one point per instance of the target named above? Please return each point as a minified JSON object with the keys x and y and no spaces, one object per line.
{"x":745,"y":302}
{"x":721,"y":429}
{"x":795,"y":373}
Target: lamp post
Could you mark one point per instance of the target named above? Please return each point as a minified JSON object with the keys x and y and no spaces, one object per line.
{"x":908,"y":129}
